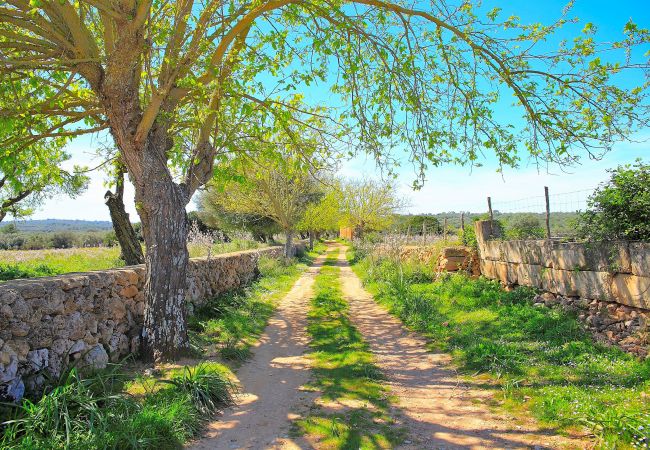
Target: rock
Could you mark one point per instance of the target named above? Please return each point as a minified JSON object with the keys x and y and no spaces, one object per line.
{"x":13,"y":391}
{"x":96,"y":358}
{"x":78,"y":347}
{"x":8,"y":372}
{"x":129,"y":291}
{"x":38,"y":359}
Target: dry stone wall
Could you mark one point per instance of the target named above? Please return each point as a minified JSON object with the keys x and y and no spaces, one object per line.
{"x":95,"y":317}
{"x":607,"y":283}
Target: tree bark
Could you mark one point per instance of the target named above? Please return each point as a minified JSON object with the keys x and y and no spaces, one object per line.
{"x":311,"y":240}
{"x":288,"y":245}
{"x":161,"y":205}
{"x":131,"y":251}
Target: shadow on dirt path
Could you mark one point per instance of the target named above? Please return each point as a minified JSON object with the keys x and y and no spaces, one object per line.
{"x":271,"y":380}
{"x":439,"y":411}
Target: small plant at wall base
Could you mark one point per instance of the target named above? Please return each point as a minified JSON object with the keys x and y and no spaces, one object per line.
{"x":619,"y":209}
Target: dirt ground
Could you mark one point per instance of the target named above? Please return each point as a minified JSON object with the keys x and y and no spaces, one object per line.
{"x":436,"y":406}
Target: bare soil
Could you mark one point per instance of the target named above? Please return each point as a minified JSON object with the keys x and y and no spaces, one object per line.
{"x":439,"y":409}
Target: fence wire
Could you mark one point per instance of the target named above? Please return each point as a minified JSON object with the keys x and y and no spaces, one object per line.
{"x":564,"y":208}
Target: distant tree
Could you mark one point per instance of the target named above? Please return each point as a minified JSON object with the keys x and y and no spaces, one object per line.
{"x":214,"y":215}
{"x":323,"y":215}
{"x":524,"y":226}
{"x":417,"y":224}
{"x":369,"y":205}
{"x":10,"y":228}
{"x":619,"y":209}
{"x":277,"y":192}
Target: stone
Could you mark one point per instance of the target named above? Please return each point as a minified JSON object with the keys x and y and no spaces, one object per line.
{"x":78,"y":347}
{"x":640,"y":258}
{"x":96,"y":357}
{"x":21,"y":309}
{"x":13,"y":391}
{"x":38,"y":359}
{"x":631,"y":290}
{"x":129,"y":291}
{"x":9,"y":371}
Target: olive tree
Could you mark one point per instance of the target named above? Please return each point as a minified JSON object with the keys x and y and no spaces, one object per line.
{"x":174,"y":82}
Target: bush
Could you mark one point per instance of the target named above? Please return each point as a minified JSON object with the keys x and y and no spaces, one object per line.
{"x":62,"y":240}
{"x":619,"y":209}
{"x":525,"y":226}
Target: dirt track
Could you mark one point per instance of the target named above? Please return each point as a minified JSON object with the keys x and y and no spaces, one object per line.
{"x":439,"y":410}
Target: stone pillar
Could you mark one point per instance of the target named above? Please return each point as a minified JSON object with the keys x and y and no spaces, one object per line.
{"x":486,"y":230}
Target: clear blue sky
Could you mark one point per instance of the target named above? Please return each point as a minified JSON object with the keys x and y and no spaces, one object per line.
{"x":448,"y":188}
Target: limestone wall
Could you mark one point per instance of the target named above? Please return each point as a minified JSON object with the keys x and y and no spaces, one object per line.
{"x":612,"y":280}
{"x":45,"y":323}
{"x":614,"y":272}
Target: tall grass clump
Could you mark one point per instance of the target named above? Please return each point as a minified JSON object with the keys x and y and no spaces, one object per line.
{"x":543,"y":359}
{"x":98,"y":412}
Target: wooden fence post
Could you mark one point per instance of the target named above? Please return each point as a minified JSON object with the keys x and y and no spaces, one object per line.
{"x":490,"y":208}
{"x":548,"y":214}
{"x":462,"y":227}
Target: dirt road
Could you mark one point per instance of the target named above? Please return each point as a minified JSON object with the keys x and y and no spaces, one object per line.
{"x":438,"y":409}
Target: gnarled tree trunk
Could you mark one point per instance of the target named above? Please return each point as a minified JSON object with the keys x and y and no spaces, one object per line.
{"x":131,"y":251}
{"x":161,"y":204}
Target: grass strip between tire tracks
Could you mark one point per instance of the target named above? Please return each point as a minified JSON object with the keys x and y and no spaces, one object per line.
{"x":353,"y":410}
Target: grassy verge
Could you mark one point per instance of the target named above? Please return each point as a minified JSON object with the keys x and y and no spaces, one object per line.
{"x":353,"y":409}
{"x":229,"y":324}
{"x":542,"y":359}
{"x":99,"y":411}
{"x":121,"y":408}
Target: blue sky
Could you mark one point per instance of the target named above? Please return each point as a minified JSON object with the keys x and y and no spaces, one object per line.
{"x":447,"y":188}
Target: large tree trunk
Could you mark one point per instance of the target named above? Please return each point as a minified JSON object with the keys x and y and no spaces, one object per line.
{"x":161,"y":205}
{"x":131,"y":251}
{"x":288,"y":245}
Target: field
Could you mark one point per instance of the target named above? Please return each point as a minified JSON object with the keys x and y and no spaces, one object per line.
{"x":37,"y":263}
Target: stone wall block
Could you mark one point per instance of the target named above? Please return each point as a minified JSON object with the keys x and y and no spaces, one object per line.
{"x":640,"y":258}
{"x":530,"y":275}
{"x":631,"y":290}
{"x":597,"y":257}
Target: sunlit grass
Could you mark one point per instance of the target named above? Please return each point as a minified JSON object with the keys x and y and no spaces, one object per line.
{"x":353,"y":409}
{"x":543,"y":359}
{"x":38,"y":263}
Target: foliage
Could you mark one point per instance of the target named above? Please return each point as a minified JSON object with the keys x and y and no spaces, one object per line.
{"x":543,"y":358}
{"x":207,"y":385}
{"x":31,"y":169}
{"x":98,"y":412}
{"x":369,"y":205}
{"x":344,"y":370}
{"x":619,"y":209}
{"x":323,"y":215}
{"x":524,"y":226}
{"x":217,"y":217}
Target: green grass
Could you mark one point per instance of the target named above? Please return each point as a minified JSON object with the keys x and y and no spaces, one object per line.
{"x":542,"y":358}
{"x":229,"y":325}
{"x":38,"y":263}
{"x":353,"y":409}
{"x":99,"y":412}
{"x":123,"y":409}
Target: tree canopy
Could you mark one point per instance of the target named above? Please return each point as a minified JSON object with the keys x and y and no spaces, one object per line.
{"x":181,"y":85}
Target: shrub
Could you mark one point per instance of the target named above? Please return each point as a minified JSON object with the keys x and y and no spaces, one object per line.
{"x":525,"y":226}
{"x":619,"y":209}
{"x":62,"y":240}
